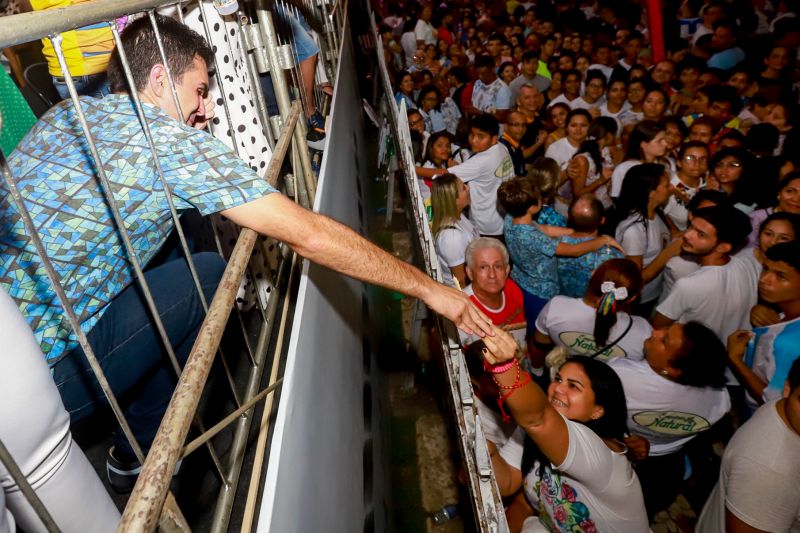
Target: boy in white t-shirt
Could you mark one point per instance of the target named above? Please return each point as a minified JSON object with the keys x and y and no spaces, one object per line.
{"x":485,"y":171}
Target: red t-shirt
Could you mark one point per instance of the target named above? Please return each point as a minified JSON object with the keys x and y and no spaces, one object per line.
{"x":512,"y":312}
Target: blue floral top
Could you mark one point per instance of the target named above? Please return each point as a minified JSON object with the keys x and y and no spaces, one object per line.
{"x":534,"y":257}
{"x":551,"y":217}
{"x":574,"y":272}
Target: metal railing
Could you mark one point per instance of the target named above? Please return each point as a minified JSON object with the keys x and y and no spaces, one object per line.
{"x":486,"y":500}
{"x":151,"y":504}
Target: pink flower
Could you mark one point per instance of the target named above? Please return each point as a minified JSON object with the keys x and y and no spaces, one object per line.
{"x":559,"y":514}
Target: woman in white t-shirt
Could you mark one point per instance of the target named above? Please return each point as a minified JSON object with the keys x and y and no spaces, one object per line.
{"x":562,"y":150}
{"x":675,"y":393}
{"x":647,"y":144}
{"x":452,"y":231}
{"x":568,"y":454}
{"x":597,"y":325}
{"x":437,"y":158}
{"x":588,"y":171}
{"x":642,"y":230}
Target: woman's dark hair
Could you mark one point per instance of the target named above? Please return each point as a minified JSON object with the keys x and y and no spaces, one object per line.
{"x":644,"y":132}
{"x":430,"y":88}
{"x":398,"y":78}
{"x":707,"y":195}
{"x":744,"y":192}
{"x":792,"y":219}
{"x":702,"y":358}
{"x":503,"y":65}
{"x":598,"y":129}
{"x":639,"y":182}
{"x":787,"y":179}
{"x":608,"y":394}
{"x":518,"y":195}
{"x":432,"y":139}
{"x":623,"y":273}
{"x":677,"y":122}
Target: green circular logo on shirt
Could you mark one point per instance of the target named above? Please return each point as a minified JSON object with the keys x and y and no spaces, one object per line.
{"x":674,"y":423}
{"x":579,"y":343}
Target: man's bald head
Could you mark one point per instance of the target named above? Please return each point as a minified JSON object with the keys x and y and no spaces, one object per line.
{"x":586,"y":213}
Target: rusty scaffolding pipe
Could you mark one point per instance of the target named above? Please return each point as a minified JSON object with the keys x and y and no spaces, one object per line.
{"x":144,"y":506}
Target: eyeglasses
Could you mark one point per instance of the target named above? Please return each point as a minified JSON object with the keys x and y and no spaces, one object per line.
{"x":694,"y":158}
{"x":729,"y":164}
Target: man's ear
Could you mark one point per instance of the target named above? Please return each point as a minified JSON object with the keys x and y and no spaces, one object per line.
{"x":469,"y":272}
{"x":495,"y":138}
{"x":157,"y":80}
{"x":723,"y":248}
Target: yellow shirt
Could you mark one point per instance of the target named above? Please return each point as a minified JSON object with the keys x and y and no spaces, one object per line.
{"x":87,"y":50}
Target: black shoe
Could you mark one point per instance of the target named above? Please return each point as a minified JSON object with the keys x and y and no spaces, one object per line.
{"x":122,"y":475}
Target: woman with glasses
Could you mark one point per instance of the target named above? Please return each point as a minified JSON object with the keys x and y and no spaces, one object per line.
{"x":730,"y":168}
{"x":686,"y":182}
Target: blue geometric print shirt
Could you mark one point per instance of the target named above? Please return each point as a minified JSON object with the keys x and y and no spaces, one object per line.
{"x":574,"y":273}
{"x":56,"y":177}
{"x":534,"y":256}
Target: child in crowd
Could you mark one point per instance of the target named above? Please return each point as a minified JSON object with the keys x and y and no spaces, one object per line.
{"x":533,"y":247}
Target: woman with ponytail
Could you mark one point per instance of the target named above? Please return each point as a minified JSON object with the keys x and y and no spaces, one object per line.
{"x":597,"y":325}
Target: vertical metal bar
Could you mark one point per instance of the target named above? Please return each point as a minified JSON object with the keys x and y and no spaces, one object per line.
{"x":282,"y":92}
{"x":22,"y":482}
{"x":247,"y":45}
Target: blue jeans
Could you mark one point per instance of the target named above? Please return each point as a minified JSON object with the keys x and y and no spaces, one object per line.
{"x":533,"y":306}
{"x":92,"y":85}
{"x":131,"y":353}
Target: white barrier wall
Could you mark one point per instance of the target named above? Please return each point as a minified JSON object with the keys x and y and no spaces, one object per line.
{"x":315,"y":473}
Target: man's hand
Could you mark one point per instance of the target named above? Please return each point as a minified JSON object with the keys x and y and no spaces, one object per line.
{"x":737,"y":343}
{"x":638,"y":448}
{"x":456,"y":306}
{"x":500,"y":348}
{"x":203,"y":116}
{"x":762,"y":316}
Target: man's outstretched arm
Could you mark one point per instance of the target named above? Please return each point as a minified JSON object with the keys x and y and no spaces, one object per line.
{"x":334,"y":245}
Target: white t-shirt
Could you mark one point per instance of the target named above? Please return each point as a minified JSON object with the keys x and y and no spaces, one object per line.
{"x":484,"y":172}
{"x":635,"y":240}
{"x":676,"y":208}
{"x":594,"y":489}
{"x":618,"y":176}
{"x":450,"y":246}
{"x":676,"y":268}
{"x":580,"y":103}
{"x":569,"y":322}
{"x":720,"y":297}
{"x":666,"y":413}
{"x":562,"y":151}
{"x":424,"y":31}
{"x":758,"y":481}
{"x":562,"y":99}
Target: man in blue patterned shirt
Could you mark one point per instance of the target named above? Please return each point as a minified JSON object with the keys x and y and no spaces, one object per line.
{"x":586,"y":215}
{"x":56,"y":176}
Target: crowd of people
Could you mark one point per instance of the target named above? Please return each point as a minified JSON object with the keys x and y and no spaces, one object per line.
{"x":623,"y":204}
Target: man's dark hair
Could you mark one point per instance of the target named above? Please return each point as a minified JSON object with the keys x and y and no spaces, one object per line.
{"x":486,"y":123}
{"x":530,"y":54}
{"x":570,"y":72}
{"x":459,"y":73}
{"x":729,"y":23}
{"x":498,"y":37}
{"x":181,"y":46}
{"x":725,"y":93}
{"x":707,"y":195}
{"x":702,"y":359}
{"x":786,"y":252}
{"x":484,"y":61}
{"x":596,"y":74}
{"x":586,"y":220}
{"x":732,"y":225}
{"x":691,"y":144}
{"x":762,"y":139}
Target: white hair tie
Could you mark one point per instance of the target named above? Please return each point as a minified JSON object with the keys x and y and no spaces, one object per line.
{"x":619,"y":293}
